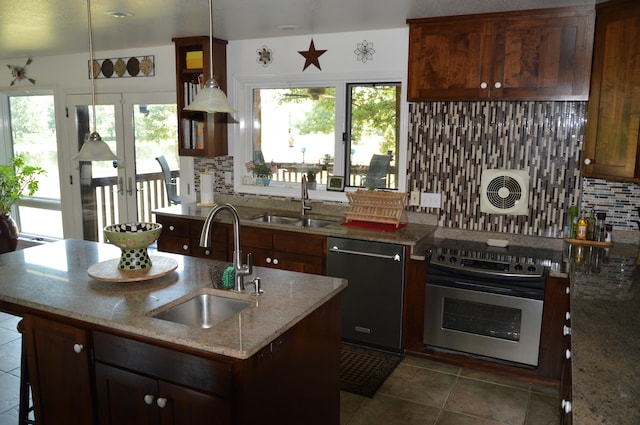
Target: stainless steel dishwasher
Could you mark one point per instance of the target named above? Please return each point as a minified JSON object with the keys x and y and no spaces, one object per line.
{"x":372,"y":302}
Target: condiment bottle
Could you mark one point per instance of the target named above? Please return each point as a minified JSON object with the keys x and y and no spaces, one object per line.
{"x":600,"y":227}
{"x":573,"y":220}
{"x":581,"y":229}
{"x":591,"y":225}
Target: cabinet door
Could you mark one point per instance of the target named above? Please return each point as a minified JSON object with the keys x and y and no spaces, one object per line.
{"x":613,"y":124}
{"x":125,"y":397}
{"x":449,"y":60}
{"x":543,"y":57}
{"x":59,"y":367}
{"x":175,"y":236}
{"x":184,"y":406}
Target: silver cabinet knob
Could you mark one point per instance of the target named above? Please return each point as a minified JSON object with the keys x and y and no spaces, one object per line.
{"x":566,"y":330}
{"x":483,"y":85}
{"x":268,"y":260}
{"x":185,"y":247}
{"x":161,"y":402}
{"x":587,"y":161}
{"x":78,"y":348}
{"x":275,"y":261}
{"x":148,"y":399}
{"x":567,"y":354}
{"x":497,"y":84}
{"x":172,"y":228}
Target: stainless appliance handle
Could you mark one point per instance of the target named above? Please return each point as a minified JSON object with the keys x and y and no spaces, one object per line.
{"x":395,"y":257}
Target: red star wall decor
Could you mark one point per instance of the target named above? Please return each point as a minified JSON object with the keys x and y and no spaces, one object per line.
{"x":312,"y":56}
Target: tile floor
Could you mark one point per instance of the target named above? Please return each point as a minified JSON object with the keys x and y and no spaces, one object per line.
{"x":418,"y":392}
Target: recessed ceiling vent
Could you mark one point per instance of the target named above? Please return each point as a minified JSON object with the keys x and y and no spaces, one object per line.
{"x":504,"y":192}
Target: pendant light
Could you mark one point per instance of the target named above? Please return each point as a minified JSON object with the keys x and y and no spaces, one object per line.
{"x":93,"y":148}
{"x":210,"y":98}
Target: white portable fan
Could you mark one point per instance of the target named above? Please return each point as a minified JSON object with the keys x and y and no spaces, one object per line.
{"x":504,"y":192}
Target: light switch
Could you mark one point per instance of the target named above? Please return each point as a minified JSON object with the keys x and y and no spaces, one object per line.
{"x":414,"y":200}
{"x":430,"y":200}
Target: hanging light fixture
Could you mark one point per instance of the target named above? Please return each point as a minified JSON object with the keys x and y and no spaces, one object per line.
{"x":93,"y":148}
{"x":210,"y":98}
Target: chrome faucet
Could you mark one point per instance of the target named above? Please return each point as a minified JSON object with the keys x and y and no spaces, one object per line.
{"x":304,"y":197}
{"x":241,"y":270}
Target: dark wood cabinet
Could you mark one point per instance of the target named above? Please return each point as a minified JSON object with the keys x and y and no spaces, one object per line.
{"x":58,"y":357}
{"x":528,"y":55}
{"x":182,"y":236}
{"x":299,"y":252}
{"x":199,"y":133}
{"x":613,"y":124}
{"x":555,"y":328}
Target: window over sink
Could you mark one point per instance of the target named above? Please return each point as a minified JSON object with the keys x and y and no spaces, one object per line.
{"x":337,"y":128}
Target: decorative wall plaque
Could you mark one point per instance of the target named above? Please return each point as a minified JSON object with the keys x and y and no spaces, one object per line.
{"x":136,"y":66}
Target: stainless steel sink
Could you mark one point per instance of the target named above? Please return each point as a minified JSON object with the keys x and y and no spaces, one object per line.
{"x":275,"y":219}
{"x":313,"y":222}
{"x":203,"y":310}
{"x":292,"y":221}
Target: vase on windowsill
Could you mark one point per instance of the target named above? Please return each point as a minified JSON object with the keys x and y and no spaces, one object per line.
{"x":16,"y":181}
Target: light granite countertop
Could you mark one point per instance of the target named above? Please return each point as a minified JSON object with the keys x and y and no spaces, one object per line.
{"x":605,"y":335}
{"x":412,"y":234}
{"x":53,"y":278}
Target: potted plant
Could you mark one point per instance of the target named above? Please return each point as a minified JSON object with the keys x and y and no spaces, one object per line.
{"x":16,"y":180}
{"x":311,"y":179}
{"x":263,"y":173}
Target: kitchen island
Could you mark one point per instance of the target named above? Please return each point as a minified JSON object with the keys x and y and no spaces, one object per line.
{"x":248,"y":366}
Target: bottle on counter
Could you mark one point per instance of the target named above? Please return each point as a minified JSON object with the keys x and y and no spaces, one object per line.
{"x":608,"y":230}
{"x":601,"y":231}
{"x":581,"y":228}
{"x":591,"y":225}
{"x":573,"y":221}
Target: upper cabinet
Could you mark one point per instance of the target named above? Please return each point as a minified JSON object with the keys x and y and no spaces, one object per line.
{"x":528,"y":55}
{"x":613,"y":124}
{"x":200,"y":134}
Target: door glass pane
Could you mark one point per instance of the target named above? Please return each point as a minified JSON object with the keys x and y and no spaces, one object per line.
{"x":156,"y":131}
{"x":373,"y":134}
{"x":33,"y":131}
{"x":98,"y":179}
{"x":294,"y":132}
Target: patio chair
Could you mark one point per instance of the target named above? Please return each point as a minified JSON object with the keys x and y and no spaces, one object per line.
{"x":169,"y":182}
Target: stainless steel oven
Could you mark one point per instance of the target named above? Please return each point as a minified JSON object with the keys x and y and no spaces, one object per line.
{"x":484,"y":304}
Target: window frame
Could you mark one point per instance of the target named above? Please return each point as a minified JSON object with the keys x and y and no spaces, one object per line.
{"x":242,"y":135}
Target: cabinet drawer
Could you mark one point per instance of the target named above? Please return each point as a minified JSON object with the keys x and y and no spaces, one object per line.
{"x":164,"y":363}
{"x":174,"y":226}
{"x":299,"y":243}
{"x":176,"y":245}
{"x":258,"y":237}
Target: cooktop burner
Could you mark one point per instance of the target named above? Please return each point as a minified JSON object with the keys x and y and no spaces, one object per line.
{"x":476,"y":258}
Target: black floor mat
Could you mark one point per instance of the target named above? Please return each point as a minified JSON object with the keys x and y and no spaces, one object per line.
{"x":364,"y":370}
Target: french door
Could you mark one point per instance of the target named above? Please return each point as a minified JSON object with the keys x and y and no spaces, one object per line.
{"x":138,"y":127}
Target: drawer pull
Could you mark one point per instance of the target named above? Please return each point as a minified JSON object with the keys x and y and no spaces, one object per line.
{"x":148,"y":399}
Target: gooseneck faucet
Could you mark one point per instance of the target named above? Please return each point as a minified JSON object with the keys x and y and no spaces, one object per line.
{"x":304,"y":197}
{"x":241,"y":270}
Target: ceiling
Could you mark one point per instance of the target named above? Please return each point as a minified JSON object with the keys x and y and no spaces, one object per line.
{"x":51,"y":27}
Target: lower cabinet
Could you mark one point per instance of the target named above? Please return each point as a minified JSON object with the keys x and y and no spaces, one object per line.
{"x":182,"y":236}
{"x":59,"y":363}
{"x":127,"y":397}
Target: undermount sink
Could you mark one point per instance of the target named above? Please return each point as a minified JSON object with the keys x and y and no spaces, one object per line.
{"x":203,"y":310}
{"x":292,"y":221}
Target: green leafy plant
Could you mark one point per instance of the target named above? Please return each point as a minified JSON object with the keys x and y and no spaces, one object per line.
{"x":16,"y":181}
{"x":311,"y":175}
{"x":262,"y":170}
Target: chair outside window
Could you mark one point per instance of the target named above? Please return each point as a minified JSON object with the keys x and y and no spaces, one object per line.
{"x":378,"y":171}
{"x":169,"y":182}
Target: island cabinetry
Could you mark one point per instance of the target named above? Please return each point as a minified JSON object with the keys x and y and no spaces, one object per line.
{"x":285,"y":250}
{"x":199,"y":133}
{"x":59,"y":362}
{"x":138,"y":382}
{"x":613,"y":124}
{"x":529,"y":55}
{"x":555,"y":328}
{"x":182,"y":236}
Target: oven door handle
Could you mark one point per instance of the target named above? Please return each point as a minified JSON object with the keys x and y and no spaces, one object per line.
{"x":493,"y":289}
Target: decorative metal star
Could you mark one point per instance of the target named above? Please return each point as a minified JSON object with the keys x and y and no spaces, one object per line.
{"x":312,"y":56}
{"x":19,"y":73}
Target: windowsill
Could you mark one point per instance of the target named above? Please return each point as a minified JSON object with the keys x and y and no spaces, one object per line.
{"x":292,"y":190}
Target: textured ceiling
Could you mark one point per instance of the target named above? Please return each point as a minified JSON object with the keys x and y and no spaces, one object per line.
{"x":51,"y":27}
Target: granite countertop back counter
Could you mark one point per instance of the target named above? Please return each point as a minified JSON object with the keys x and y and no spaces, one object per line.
{"x":52,"y":279}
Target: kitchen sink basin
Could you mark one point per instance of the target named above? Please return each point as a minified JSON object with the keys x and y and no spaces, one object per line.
{"x":276,"y":219}
{"x":313,"y":222}
{"x":203,"y":310}
{"x":292,"y":221}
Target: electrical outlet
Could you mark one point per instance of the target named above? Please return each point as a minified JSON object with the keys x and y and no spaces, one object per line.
{"x":430,"y":200}
{"x":414,"y":200}
{"x":228,"y":179}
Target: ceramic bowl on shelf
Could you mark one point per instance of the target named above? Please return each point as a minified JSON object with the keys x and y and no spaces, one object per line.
{"x":133,"y":240}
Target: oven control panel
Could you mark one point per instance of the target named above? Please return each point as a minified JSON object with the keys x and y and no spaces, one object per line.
{"x":486,"y":263}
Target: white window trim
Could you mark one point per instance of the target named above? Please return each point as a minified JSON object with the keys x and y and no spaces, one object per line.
{"x":241,"y":143}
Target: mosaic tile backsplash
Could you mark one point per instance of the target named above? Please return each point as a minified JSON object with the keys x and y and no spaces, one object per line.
{"x":450,"y":143}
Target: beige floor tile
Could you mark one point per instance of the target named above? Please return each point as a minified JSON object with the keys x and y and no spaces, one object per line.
{"x":349,"y":403}
{"x":543,"y":410}
{"x":383,"y":410}
{"x":499,"y":403}
{"x":453,"y":418}
{"x":419,"y":385}
{"x":432,"y":365}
